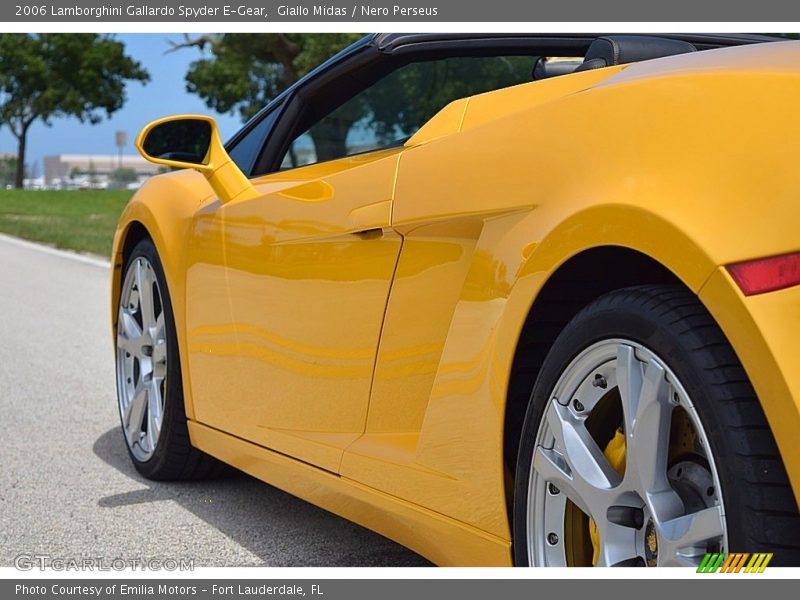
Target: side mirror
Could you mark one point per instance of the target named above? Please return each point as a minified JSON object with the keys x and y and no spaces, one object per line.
{"x":193,"y":142}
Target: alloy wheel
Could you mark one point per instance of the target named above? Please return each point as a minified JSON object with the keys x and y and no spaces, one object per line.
{"x":622,"y":472}
{"x":141,"y":359}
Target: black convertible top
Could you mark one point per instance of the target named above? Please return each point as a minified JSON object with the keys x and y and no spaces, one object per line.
{"x":398,"y":42}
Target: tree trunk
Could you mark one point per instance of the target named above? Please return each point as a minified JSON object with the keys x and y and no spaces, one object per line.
{"x":19,"y":177}
{"x":330,"y":139}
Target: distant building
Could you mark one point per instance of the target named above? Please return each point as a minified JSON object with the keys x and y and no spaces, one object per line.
{"x":92,"y":170}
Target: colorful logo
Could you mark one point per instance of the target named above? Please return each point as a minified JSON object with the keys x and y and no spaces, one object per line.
{"x":734,"y":563}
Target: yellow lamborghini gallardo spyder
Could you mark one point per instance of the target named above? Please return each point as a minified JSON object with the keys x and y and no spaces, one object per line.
{"x":506,"y":299}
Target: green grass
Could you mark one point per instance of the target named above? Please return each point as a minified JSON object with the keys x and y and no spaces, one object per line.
{"x":83,"y":221}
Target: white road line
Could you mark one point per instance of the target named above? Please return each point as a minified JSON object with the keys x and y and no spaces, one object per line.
{"x":89,"y":260}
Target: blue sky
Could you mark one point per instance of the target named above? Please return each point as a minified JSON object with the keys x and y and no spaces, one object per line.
{"x":165,"y":94}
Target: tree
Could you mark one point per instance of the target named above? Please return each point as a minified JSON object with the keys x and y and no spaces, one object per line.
{"x":8,"y":169}
{"x":51,"y":75}
{"x":247,"y":70}
{"x":122,"y":176}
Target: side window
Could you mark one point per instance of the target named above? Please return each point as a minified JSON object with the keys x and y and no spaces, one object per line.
{"x":390,"y":111}
{"x":246,"y":151}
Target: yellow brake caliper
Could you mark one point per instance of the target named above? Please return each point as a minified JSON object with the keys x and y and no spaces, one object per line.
{"x":615,"y":454}
{"x":682,"y":442}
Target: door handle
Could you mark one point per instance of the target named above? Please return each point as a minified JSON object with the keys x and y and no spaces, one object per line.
{"x":369,"y":234}
{"x":371,"y":217}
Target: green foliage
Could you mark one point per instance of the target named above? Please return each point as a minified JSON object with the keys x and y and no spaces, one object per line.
{"x":395,"y":107}
{"x":76,"y":220}
{"x":247,"y":70}
{"x":8,"y":170}
{"x":50,"y":75}
{"x":123,"y":175}
{"x":410,"y":96}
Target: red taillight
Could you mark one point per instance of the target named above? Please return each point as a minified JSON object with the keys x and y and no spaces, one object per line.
{"x":766,"y":274}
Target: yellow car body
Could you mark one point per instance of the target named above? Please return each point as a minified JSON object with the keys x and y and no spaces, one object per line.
{"x":348,"y":332}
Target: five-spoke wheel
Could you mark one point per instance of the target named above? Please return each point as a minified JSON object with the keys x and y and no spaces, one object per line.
{"x":644,"y":443}
{"x":638,"y":512}
{"x":141,"y":358}
{"x":149,"y":386}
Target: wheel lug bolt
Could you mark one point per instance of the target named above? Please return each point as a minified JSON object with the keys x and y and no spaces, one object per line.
{"x":552,"y":538}
{"x":147,"y":350}
{"x":552,"y":489}
{"x":578,"y":405}
{"x":600,"y":381}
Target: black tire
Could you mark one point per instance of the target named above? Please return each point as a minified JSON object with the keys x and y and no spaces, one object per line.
{"x":174,"y":457}
{"x":761,"y":510}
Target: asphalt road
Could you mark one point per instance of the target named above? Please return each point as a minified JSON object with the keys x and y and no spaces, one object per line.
{"x":67,"y":488}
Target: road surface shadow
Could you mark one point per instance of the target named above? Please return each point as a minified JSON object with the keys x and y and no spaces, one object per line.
{"x":280,"y":529}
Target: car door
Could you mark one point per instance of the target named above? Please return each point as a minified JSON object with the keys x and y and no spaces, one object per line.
{"x":308,"y":266}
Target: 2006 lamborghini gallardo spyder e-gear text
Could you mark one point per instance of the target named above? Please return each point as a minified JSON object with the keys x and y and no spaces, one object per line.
{"x":506,"y":299}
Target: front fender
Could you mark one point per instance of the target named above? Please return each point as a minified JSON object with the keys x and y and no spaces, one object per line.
{"x":164,"y":207}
